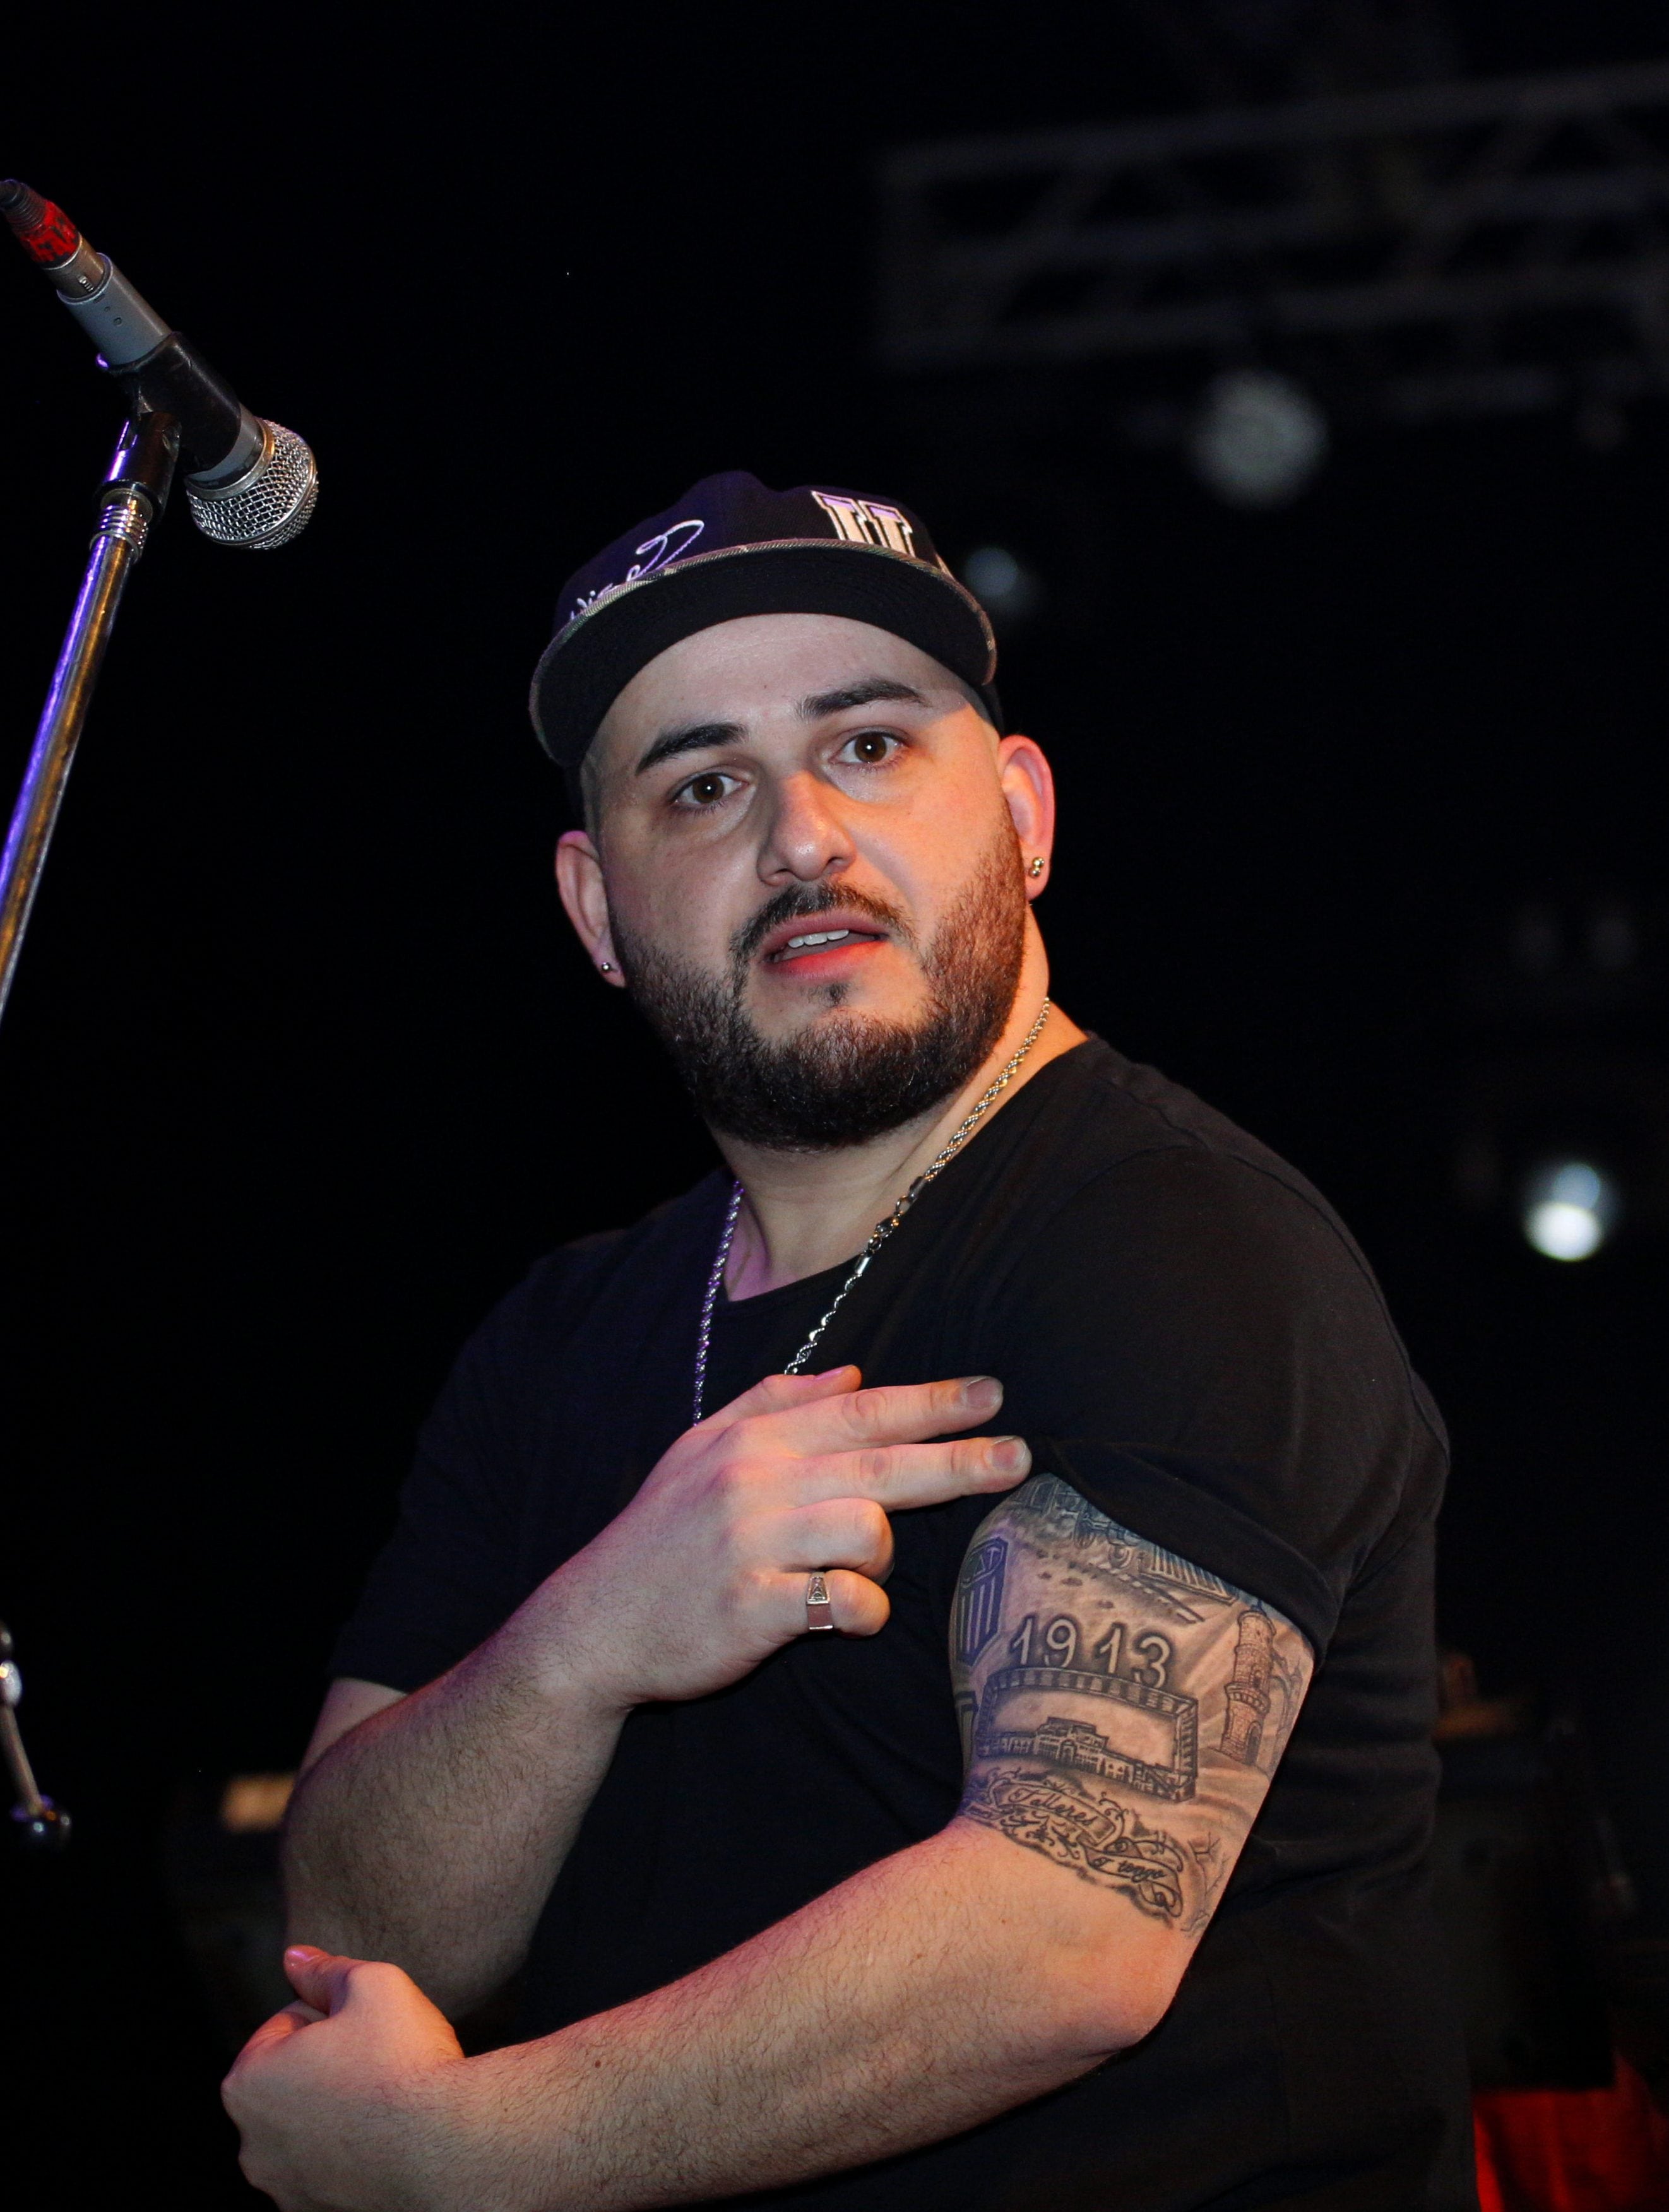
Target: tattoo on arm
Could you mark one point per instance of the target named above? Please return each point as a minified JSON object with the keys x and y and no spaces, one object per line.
{"x":1122,"y":1709}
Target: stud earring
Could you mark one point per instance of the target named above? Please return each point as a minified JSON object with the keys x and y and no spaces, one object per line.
{"x":608,"y":967}
{"x":1036,"y":868}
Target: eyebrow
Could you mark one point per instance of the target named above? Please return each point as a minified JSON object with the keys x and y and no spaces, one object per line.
{"x":688,"y":738}
{"x":702,"y":737}
{"x":863,"y":693}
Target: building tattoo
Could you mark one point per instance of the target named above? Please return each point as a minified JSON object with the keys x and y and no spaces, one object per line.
{"x":1247,"y":1689}
{"x":1164,"y":1722}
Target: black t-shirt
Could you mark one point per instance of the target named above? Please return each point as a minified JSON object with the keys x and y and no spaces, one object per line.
{"x":1185,"y":1333}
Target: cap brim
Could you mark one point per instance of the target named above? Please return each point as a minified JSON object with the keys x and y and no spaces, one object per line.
{"x":586,"y":667}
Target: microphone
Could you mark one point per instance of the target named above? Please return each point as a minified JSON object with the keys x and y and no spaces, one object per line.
{"x":254,"y":483}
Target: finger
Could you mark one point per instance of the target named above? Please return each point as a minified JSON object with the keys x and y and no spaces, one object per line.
{"x":279,"y":2029}
{"x":897,"y":1476}
{"x":901,"y":1413}
{"x":840,"y":1532}
{"x":318,"y":1977}
{"x":782,"y":1394}
{"x":859,"y":1606}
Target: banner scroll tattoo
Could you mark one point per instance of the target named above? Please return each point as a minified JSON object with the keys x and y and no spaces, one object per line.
{"x":1096,"y":1837}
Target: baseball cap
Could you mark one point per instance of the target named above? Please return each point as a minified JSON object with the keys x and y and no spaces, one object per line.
{"x":731,"y":547}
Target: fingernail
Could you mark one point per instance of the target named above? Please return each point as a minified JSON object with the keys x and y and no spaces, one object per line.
{"x":984,"y":1391}
{"x":1011,"y":1454}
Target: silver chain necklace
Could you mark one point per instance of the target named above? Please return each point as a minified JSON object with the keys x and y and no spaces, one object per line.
{"x":878,"y":1236}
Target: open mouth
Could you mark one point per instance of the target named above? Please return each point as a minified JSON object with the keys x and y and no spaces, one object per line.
{"x":810,"y":944}
{"x":820,"y":937}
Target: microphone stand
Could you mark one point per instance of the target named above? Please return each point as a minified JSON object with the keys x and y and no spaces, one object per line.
{"x":44,"y":1825}
{"x":134,"y":493}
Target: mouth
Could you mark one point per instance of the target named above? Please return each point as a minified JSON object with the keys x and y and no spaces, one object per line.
{"x":814,"y":944}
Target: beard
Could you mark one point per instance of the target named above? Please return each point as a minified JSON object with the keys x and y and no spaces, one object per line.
{"x":845,"y":1077}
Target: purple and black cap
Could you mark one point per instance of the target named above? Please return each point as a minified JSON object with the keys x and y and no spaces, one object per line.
{"x":732,"y":547}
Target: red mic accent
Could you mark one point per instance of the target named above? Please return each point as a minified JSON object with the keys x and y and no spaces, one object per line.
{"x":42,"y":229}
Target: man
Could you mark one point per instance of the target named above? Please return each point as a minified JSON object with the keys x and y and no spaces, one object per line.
{"x":881,"y":1807}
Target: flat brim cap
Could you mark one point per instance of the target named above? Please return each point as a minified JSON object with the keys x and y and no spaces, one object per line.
{"x":640,"y":598}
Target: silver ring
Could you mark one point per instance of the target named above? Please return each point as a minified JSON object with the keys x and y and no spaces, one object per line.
{"x":819,"y":1612}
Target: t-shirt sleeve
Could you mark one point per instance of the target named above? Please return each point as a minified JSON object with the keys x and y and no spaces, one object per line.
{"x":448,"y":1574}
{"x":1197,"y":1346}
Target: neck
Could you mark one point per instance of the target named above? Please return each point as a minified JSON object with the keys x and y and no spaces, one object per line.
{"x":804,"y":1211}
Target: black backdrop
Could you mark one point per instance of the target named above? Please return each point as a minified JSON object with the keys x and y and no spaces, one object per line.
{"x":300,"y":1070}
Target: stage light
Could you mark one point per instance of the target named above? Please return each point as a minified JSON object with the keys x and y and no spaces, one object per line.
{"x":1003,"y":586}
{"x":1258,"y":439}
{"x":1570,"y":1210}
{"x":254,"y":1804}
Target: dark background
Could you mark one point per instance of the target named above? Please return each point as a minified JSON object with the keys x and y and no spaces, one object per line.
{"x":300,"y":1069}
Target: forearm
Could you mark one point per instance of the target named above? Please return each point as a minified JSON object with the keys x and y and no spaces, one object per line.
{"x":430,"y":1834}
{"x":925,"y":1994}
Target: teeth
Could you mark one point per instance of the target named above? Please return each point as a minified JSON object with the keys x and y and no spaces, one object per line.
{"x":816,"y":937}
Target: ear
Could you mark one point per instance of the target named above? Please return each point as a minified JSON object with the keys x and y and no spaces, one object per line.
{"x":580,"y":882}
{"x":1028,"y":787}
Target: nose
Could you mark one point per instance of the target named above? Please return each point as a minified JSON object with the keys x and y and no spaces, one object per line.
{"x":806,"y":839}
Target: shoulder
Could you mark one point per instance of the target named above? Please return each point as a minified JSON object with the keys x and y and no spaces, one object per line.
{"x":1140,"y":1185}
{"x":532,"y":1325}
{"x":561,"y":1285}
{"x":1172,"y":1288}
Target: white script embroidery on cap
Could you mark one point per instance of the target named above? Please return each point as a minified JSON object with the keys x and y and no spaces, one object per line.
{"x":661,"y":550}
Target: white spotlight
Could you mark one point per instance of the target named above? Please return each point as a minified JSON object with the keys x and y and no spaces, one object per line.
{"x":1569,"y":1209}
{"x":1259,"y":438}
{"x":1005,"y":588}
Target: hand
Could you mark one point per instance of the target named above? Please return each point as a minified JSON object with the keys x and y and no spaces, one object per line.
{"x":704,"y":1574}
{"x":336,"y":2097}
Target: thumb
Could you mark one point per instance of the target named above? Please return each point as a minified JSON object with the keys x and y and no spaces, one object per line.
{"x":318,"y":1977}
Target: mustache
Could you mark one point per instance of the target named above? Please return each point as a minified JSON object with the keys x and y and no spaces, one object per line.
{"x":798,"y":903}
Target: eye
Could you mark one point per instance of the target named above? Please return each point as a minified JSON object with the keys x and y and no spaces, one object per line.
{"x":869,"y":748}
{"x":705,"y":790}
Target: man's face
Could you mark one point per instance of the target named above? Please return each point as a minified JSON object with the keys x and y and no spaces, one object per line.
{"x":806,"y":868}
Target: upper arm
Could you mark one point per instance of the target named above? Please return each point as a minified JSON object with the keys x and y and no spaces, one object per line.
{"x":1188,"y":1303}
{"x":1122,"y":1711}
{"x":347,"y":1702}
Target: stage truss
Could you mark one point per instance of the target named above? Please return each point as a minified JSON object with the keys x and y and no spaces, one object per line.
{"x":1445,"y":250}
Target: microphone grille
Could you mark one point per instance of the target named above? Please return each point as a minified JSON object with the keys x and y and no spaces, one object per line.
{"x":267,"y":507}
